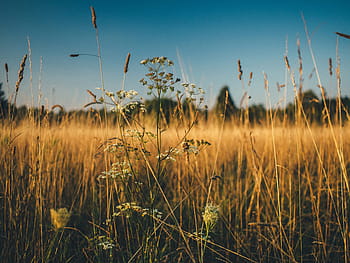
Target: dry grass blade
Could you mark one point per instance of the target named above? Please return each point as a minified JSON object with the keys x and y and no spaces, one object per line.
{"x":343,"y":35}
{"x":92,"y":94}
{"x":243,"y":102}
{"x":57,"y":106}
{"x":91,"y":103}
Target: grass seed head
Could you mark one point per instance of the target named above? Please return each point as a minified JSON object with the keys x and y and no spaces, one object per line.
{"x":210,"y":216}
{"x":127,"y":63}
{"x":20,"y":72}
{"x":240,"y":72}
{"x":93,"y":17}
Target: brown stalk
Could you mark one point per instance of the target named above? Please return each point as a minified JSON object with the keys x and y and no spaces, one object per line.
{"x":57,"y":106}
{"x":92,"y":103}
{"x":92,"y":94}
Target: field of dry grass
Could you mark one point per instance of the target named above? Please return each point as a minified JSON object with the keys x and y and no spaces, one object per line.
{"x":144,"y":188}
{"x":281,"y":194}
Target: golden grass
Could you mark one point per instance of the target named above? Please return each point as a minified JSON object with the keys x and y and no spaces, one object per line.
{"x":281,"y":190}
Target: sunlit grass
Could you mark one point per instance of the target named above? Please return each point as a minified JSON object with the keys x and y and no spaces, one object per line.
{"x":56,"y":167}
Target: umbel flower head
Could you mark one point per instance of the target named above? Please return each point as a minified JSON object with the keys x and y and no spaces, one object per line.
{"x":59,"y":217}
{"x":210,"y":216}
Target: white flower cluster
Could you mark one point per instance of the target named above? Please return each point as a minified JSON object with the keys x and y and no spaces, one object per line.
{"x":105,"y":242}
{"x":192,"y":90}
{"x":158,"y":79}
{"x":126,"y":209}
{"x":114,"y":148}
{"x":187,"y":147}
{"x":122,"y":94}
{"x":128,"y":107}
{"x":169,"y":155}
{"x":120,"y":170}
{"x":121,"y":101}
{"x":140,"y":135}
{"x":157,"y":60}
{"x":127,"y":94}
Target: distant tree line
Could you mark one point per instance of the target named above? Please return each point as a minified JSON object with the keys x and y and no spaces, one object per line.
{"x":309,"y":105}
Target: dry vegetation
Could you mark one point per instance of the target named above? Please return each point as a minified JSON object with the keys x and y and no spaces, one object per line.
{"x":282,"y":195}
{"x":194,"y":190}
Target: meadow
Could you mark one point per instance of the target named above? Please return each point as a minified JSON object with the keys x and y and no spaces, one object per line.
{"x":271,"y":194}
{"x":173,"y":186}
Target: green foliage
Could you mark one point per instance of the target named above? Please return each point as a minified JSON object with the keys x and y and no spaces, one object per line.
{"x":165,"y":106}
{"x":224,"y":104}
{"x":3,"y":103}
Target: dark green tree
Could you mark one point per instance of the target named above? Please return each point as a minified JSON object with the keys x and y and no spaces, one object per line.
{"x":225,"y":104}
{"x":168,"y":107}
{"x":257,"y":114}
{"x":3,"y":103}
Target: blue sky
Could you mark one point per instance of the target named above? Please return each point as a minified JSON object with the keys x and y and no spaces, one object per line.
{"x":209,"y":36}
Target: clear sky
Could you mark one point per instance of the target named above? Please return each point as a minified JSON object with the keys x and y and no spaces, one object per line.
{"x":208,"y":36}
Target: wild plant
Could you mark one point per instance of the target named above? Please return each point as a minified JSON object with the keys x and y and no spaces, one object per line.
{"x":134,"y":185}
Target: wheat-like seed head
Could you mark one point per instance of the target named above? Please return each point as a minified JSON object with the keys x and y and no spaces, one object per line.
{"x":250,"y":79}
{"x":343,"y":35}
{"x":266,"y":82}
{"x":93,"y":17}
{"x":126,"y":65}
{"x":330,"y":66}
{"x":240,"y":72}
{"x":287,"y":62}
{"x":20,"y":72}
{"x":300,"y":58}
{"x":7,"y":72}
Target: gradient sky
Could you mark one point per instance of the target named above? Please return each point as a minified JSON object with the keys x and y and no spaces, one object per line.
{"x":208,"y":36}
